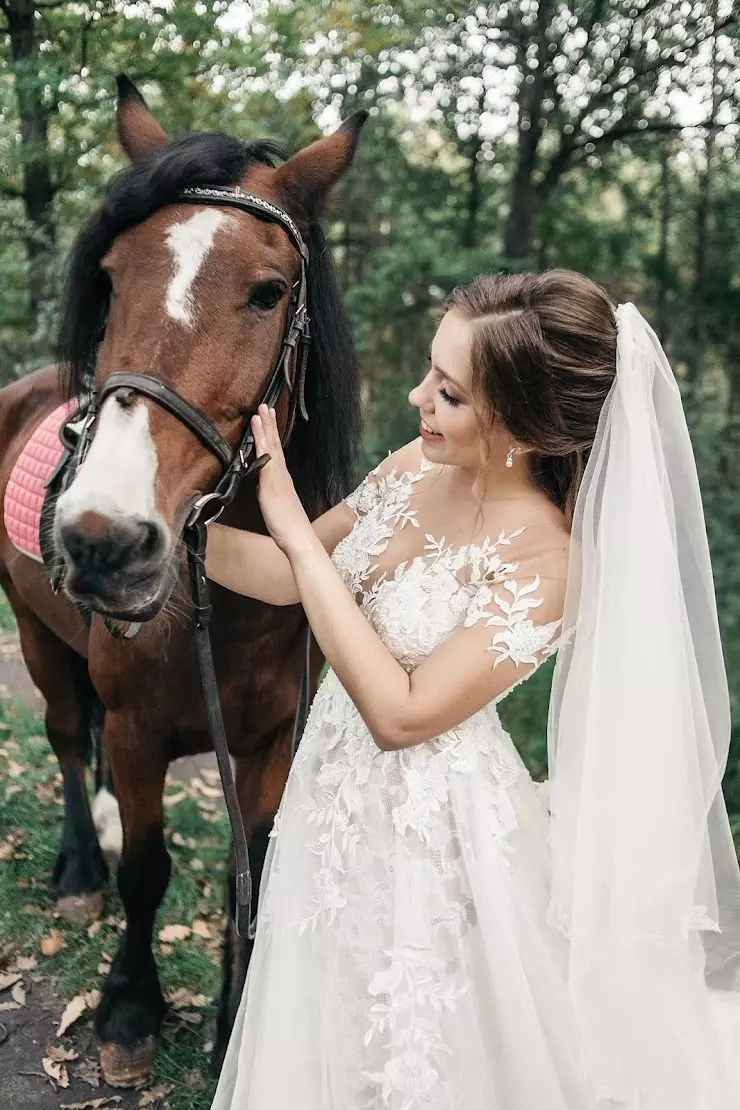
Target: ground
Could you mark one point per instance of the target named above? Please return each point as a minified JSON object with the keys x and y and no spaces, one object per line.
{"x":50,"y":971}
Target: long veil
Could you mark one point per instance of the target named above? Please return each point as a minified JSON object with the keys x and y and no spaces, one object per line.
{"x":645,"y":876}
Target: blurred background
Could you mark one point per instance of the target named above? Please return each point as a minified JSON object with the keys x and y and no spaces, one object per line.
{"x":600,"y":135}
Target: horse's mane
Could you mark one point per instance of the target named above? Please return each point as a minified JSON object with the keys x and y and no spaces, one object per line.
{"x":322,"y":452}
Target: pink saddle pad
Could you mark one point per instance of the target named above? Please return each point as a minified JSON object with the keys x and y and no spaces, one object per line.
{"x":25,"y":492}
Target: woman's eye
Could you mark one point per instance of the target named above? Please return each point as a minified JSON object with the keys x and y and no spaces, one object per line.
{"x":449,"y":398}
{"x":266,"y":296}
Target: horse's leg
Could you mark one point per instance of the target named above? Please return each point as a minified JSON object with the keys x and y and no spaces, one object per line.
{"x":260,"y":780}
{"x":132,"y":1006}
{"x":80,"y":873}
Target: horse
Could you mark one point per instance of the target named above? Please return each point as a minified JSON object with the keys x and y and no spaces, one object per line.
{"x":197,"y":296}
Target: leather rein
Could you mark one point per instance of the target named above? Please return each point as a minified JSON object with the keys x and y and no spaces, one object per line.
{"x":289,"y":372}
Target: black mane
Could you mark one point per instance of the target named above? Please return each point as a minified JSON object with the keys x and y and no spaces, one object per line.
{"x":322,"y":453}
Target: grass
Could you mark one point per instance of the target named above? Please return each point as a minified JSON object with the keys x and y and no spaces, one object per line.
{"x":197,"y":836}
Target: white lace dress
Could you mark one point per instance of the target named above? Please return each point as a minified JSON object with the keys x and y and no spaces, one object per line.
{"x":402,"y":959}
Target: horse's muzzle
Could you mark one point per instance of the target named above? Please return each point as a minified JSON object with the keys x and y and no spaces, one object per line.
{"x":116,"y":565}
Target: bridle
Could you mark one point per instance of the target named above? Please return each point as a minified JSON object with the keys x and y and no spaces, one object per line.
{"x":289,"y":373}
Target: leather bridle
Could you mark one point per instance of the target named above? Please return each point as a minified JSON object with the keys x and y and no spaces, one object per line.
{"x":289,"y":372}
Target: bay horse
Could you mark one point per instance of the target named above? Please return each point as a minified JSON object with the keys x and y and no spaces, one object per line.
{"x":197,"y":296}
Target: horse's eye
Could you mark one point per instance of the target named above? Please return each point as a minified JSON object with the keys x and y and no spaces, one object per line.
{"x":267,"y":295}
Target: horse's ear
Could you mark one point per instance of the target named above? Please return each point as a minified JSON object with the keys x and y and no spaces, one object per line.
{"x":138,"y":131}
{"x":307,"y":177}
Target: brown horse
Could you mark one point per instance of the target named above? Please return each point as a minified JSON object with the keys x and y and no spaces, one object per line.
{"x":198,"y":297}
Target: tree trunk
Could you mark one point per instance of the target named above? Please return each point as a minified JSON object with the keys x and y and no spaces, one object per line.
{"x":665,"y":217}
{"x":470,"y":226}
{"x":703,"y":206}
{"x":37,"y":188}
{"x":525,"y":199}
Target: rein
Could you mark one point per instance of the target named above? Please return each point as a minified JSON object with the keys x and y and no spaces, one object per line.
{"x":237,"y":464}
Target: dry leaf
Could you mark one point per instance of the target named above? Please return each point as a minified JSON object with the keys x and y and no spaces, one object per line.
{"x":11,"y":790}
{"x":52,"y":943}
{"x":92,"y":1104}
{"x":18,"y":994}
{"x":72,"y":1012}
{"x":202,"y":929}
{"x":181,"y":996}
{"x":26,"y":963}
{"x":193,"y":1080}
{"x":178,"y":840}
{"x":212,"y":777}
{"x":92,"y":998}
{"x":174,"y":932}
{"x":165,"y":950}
{"x":88,"y":1071}
{"x":15,"y":769}
{"x":173,"y":799}
{"x":56,"y":1071}
{"x":94,"y":929}
{"x":9,"y":979}
{"x":5,"y":1007}
{"x":59,"y":1054}
{"x":154,"y":1095}
{"x":196,"y":864}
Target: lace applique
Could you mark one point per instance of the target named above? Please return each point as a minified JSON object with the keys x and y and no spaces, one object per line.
{"x":413,"y":990}
{"x":519,"y":638}
{"x":381,"y":503}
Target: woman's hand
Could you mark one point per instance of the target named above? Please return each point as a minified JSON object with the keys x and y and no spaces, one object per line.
{"x":281,"y":508}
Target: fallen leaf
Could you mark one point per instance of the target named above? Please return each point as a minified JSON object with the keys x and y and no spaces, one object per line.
{"x":174,"y":932}
{"x":5,"y":1007}
{"x":18,"y":994}
{"x":92,"y":998}
{"x":196,"y":864}
{"x":52,"y":943}
{"x":59,"y":1054}
{"x":14,"y":788}
{"x":14,"y":769}
{"x":202,"y":929}
{"x":9,"y":979}
{"x":94,"y":929}
{"x":178,"y":840}
{"x":26,"y":963}
{"x":193,"y":1080}
{"x":211,"y":776}
{"x":88,"y":1071}
{"x":56,"y":1071}
{"x":154,"y":1095}
{"x":72,"y":1012}
{"x":173,"y":799}
{"x":92,"y":1104}
{"x":181,"y":997}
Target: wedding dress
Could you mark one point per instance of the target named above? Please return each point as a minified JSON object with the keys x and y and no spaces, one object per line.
{"x":402,"y":958}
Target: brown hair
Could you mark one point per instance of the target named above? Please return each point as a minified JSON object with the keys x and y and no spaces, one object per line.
{"x":543,"y":359}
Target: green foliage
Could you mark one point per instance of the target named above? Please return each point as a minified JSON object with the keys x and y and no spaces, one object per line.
{"x":474,"y":110}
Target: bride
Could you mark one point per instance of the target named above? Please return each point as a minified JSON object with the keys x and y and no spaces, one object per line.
{"x":435,"y":933}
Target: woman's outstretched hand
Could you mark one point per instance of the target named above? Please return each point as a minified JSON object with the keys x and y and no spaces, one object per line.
{"x":283,"y":513}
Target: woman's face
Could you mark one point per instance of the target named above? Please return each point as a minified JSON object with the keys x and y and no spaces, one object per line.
{"x":449,"y":426}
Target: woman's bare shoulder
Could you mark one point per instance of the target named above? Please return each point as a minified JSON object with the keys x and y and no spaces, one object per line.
{"x":406,"y":459}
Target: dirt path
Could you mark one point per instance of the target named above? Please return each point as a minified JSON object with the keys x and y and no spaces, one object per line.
{"x":27,"y":1032}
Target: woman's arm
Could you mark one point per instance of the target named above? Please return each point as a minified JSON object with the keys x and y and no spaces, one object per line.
{"x":254,"y":565}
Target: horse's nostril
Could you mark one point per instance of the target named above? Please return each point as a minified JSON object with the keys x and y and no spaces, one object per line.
{"x":73,"y":542}
{"x":150,"y":539}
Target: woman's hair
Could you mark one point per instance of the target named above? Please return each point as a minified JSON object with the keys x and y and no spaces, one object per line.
{"x":543,"y":359}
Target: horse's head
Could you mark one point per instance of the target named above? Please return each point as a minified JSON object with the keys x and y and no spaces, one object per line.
{"x":197,"y":296}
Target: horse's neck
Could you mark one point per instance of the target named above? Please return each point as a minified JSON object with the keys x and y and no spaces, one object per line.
{"x":244,"y":511}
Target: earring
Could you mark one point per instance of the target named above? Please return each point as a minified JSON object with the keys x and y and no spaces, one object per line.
{"x":510,"y":456}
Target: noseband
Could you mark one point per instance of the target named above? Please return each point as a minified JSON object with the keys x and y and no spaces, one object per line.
{"x":289,"y":372}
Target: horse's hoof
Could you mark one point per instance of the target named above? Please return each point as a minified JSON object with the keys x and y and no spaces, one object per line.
{"x":127,"y":1067}
{"x":80,"y":909}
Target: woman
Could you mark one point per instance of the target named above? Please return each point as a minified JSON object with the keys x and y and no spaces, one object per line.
{"x":429,"y":938}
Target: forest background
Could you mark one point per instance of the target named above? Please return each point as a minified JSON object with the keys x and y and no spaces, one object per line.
{"x":600,"y":135}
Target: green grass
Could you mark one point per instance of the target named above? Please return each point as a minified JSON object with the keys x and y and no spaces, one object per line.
{"x":7,"y":619}
{"x":30,"y":791}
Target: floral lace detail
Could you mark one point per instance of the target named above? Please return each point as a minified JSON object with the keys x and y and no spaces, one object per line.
{"x":413,"y":989}
{"x":378,"y":826}
{"x":519,"y":639}
{"x":381,"y":504}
